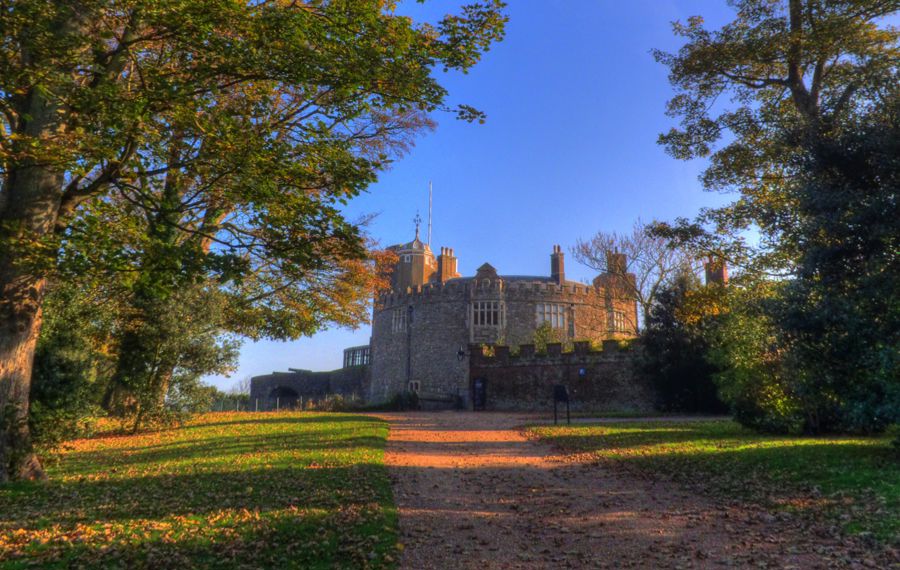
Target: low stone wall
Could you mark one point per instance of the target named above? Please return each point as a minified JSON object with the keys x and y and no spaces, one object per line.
{"x":596,"y":380}
{"x":308,"y":385}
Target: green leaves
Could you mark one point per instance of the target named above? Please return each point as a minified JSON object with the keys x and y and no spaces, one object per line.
{"x":805,"y":93}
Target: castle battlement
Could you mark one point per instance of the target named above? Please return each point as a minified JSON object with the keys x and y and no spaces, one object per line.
{"x":525,"y":353}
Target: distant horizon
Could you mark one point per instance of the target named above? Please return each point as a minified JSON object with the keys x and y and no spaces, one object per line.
{"x":568,"y":149}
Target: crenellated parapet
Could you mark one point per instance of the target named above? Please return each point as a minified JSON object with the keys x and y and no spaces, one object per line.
{"x":430,"y":292}
{"x":524,"y":354}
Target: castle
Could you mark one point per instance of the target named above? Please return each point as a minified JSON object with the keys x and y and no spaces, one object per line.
{"x":422,"y":327}
{"x":426,"y":329}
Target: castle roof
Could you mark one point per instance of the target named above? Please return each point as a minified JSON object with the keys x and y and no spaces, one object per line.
{"x":415,"y":245}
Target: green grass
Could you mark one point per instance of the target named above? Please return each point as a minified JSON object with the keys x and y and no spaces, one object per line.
{"x":854,"y":479}
{"x":227,"y":490}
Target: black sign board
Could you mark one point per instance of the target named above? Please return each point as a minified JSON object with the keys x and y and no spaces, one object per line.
{"x":479,"y":393}
{"x":560,"y":395}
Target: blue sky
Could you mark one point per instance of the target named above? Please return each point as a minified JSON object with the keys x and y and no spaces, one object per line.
{"x":575,"y":103}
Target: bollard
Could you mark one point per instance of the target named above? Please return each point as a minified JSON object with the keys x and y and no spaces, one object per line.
{"x":277,"y":403}
{"x":257,"y":405}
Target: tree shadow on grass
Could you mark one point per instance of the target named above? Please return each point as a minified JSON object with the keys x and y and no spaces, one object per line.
{"x":850,"y":477}
{"x":284,"y":418}
{"x":67,"y":503}
{"x":290,"y":518}
{"x":223,"y":448}
{"x":302,"y":492}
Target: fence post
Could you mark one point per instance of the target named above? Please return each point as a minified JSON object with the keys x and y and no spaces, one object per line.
{"x":277,"y":403}
{"x":257,"y":405}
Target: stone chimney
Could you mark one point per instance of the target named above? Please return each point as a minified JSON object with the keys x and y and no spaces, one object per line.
{"x":557,"y":265}
{"x":716,"y":270}
{"x":446,"y":265}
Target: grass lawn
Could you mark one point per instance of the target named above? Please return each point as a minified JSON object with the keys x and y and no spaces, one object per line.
{"x":854,"y":479}
{"x":227,"y":490}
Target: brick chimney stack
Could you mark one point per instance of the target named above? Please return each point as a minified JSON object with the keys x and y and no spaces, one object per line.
{"x":716,"y":270}
{"x":447,"y":265}
{"x":557,"y":265}
{"x":616,"y":263}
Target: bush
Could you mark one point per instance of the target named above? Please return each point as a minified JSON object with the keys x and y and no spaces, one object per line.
{"x":336,"y":403}
{"x":69,"y":372}
{"x":402,"y":401}
{"x":675,"y":355}
{"x":754,"y":376}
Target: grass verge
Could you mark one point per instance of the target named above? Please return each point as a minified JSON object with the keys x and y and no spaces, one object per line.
{"x":227,"y":490}
{"x":856,"y":480}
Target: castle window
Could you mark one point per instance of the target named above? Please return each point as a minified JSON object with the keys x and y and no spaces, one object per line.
{"x":552,"y":313}
{"x":486,"y":313}
{"x":398,"y":323}
{"x":414,"y":386}
{"x":618,"y":322}
{"x":356,"y":356}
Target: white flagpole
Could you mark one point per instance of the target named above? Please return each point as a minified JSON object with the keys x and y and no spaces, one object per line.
{"x":429,"y":213}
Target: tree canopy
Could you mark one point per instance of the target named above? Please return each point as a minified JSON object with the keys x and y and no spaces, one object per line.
{"x":238,"y":128}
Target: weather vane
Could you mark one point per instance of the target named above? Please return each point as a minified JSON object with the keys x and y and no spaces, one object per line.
{"x":417,"y":220}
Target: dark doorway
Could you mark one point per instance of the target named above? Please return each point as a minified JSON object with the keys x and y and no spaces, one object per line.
{"x":283,"y":398}
{"x":479,"y":393}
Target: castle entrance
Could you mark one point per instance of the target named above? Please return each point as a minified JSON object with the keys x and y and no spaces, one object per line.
{"x":479,"y":393}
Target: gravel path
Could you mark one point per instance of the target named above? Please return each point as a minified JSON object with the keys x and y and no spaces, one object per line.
{"x":474,"y":492}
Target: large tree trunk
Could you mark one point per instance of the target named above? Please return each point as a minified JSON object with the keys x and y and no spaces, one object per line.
{"x":29,"y":207}
{"x":20,"y":318}
{"x":27,"y":219}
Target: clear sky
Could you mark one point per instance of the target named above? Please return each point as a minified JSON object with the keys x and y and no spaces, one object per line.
{"x":575,"y":103}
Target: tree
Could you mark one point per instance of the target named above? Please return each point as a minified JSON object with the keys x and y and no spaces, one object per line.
{"x":651,"y":258}
{"x":545,"y":334}
{"x":72,"y":363}
{"x":675,"y":355}
{"x":840,"y":315}
{"x":753,"y":373}
{"x":89,"y":89}
{"x":241,"y":387}
{"x":790,"y":86}
{"x":782,"y":75}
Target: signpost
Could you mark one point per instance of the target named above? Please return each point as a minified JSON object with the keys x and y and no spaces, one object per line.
{"x":560,"y":394}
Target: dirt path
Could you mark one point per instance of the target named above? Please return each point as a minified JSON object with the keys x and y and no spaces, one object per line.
{"x":473,"y":492}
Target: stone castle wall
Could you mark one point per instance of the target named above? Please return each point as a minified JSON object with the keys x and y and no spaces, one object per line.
{"x":598,"y":381}
{"x":309,"y":385}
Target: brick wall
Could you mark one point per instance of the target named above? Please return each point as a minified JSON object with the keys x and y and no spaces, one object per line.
{"x":597,"y":380}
